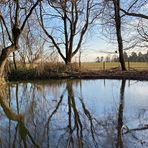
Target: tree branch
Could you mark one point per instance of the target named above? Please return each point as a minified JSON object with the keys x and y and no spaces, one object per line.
{"x":41,"y":22}
{"x":28,"y":15}
{"x":84,"y":29}
{"x":139,"y":15}
{"x":9,"y":36}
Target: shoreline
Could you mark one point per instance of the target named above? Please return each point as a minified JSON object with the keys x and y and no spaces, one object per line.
{"x":107,"y":74}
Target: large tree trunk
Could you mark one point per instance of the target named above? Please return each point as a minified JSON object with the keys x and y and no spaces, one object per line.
{"x":68,"y":59}
{"x":118,"y":32}
{"x":3,"y":58}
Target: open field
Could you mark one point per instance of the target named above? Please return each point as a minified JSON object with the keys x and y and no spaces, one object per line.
{"x":113,"y":65}
{"x":85,"y":66}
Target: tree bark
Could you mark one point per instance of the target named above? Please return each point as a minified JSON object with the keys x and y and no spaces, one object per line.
{"x":3,"y":58}
{"x":68,"y":59}
{"x":118,"y":32}
{"x":14,"y":61}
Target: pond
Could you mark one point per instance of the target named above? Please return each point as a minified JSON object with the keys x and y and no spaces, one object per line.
{"x":74,"y":114}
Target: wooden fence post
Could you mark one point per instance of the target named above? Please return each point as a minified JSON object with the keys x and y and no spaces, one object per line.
{"x":128,"y":65}
{"x":103,"y":65}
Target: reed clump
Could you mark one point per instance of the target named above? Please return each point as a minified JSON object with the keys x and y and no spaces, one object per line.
{"x":42,"y":71}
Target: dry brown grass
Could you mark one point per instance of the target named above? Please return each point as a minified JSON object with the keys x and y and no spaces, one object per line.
{"x":48,"y":68}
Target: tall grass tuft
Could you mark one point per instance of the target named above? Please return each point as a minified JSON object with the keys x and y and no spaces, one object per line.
{"x":42,"y":71}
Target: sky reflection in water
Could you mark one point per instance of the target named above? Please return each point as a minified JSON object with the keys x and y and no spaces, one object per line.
{"x":74,"y":113}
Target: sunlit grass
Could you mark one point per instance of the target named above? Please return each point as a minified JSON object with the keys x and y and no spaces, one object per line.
{"x":112,"y":65}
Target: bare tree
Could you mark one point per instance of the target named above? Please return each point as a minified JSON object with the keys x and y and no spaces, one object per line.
{"x":137,"y":10}
{"x":112,"y":19}
{"x":17,"y":18}
{"x":72,"y":19}
{"x":31,"y":46}
{"x":143,"y":34}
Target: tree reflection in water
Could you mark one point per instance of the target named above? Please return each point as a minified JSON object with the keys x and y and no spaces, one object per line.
{"x":120,"y":124}
{"x":55,"y":114}
{"x":20,"y":129}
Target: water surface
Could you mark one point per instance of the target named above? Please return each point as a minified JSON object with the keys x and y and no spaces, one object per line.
{"x":74,"y":114}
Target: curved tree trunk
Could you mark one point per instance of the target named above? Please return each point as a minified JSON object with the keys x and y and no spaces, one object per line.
{"x":5,"y":105}
{"x":3,"y":58}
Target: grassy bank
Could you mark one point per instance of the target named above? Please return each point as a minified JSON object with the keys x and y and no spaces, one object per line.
{"x":42,"y":71}
{"x":139,"y":71}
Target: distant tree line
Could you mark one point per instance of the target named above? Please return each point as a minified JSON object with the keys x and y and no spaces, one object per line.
{"x":136,"y":57}
{"x":133,"y":57}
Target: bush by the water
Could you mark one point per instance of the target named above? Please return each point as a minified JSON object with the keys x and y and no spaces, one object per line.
{"x":42,"y":71}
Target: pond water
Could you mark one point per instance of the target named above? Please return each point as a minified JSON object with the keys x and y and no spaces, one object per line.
{"x":74,"y":114}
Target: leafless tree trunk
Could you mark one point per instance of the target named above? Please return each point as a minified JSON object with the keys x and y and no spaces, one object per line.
{"x":118,"y":32}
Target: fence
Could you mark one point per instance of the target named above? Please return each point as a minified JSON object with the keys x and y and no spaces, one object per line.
{"x":115,"y":65}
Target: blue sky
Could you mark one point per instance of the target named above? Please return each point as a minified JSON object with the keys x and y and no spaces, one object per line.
{"x":95,"y":47}
{"x":96,"y":44}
